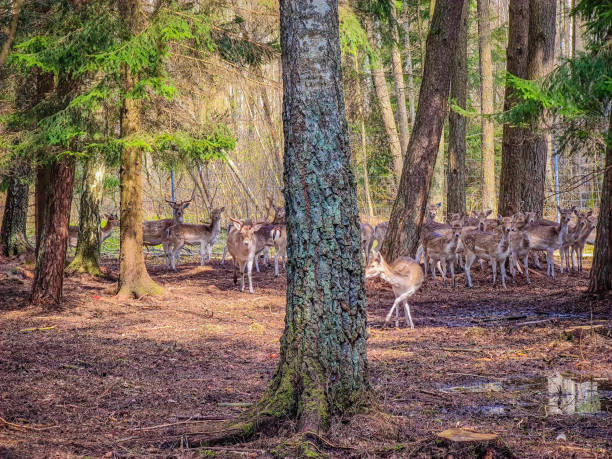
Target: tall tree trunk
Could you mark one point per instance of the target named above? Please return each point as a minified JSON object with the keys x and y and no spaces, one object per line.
{"x":540,"y":62}
{"x":486,"y":106}
{"x":439,"y":177}
{"x":6,"y":47}
{"x":134,"y":280}
{"x":386,"y":111}
{"x":87,"y":257}
{"x":513,"y":169}
{"x":398,"y":80}
{"x":409,"y":208}
{"x":12,"y":234}
{"x":457,"y":125}
{"x":322,"y":371}
{"x":364,"y":149}
{"x":409,"y":69}
{"x":54,"y":215}
{"x":600,"y":280}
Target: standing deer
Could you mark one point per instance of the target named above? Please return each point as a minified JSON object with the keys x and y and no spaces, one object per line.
{"x":578,"y":246}
{"x":242,"y":242}
{"x":367,"y":238}
{"x":572,"y":236}
{"x":185,"y":233}
{"x":405,"y":276}
{"x":442,"y":249}
{"x":154,"y":232}
{"x":111,"y":223}
{"x":549,"y":238}
{"x":487,"y":246}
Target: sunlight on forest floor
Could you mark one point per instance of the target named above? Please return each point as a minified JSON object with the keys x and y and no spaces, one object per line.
{"x":530,"y":364}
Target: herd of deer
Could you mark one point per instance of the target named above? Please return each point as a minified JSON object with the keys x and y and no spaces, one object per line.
{"x":461,"y":241}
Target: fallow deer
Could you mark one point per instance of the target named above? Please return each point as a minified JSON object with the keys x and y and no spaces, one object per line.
{"x":242,"y":244}
{"x":487,"y":246}
{"x":442,"y":249}
{"x":111,"y":223}
{"x":572,"y":236}
{"x":519,"y":245}
{"x":367,"y":235}
{"x":578,"y":246}
{"x":186,"y":233}
{"x":405,"y":276}
{"x":154,"y":232}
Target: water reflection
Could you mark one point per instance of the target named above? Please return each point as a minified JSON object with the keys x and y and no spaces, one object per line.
{"x":569,"y":396}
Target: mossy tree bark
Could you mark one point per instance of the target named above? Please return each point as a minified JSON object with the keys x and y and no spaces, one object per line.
{"x":12,"y":234}
{"x":87,"y":257}
{"x":512,"y":170}
{"x":54,"y":215}
{"x":323,"y":367}
{"x":486,"y":106}
{"x":457,"y":125}
{"x":600,"y":280}
{"x":134,"y":280}
{"x":409,"y":207}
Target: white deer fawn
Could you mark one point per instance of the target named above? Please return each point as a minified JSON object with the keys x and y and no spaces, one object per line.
{"x":185,"y":233}
{"x":405,"y":276}
{"x":154,"y":232}
{"x":242,"y":242}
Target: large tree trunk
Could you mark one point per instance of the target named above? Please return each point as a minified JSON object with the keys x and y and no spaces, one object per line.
{"x":12,"y":234}
{"x":513,"y":170}
{"x":323,"y":368}
{"x":87,"y":257}
{"x":54,"y":215}
{"x":457,"y":125}
{"x":600,"y":280}
{"x":486,"y":106}
{"x":386,"y":111}
{"x":409,"y":208}
{"x":400,"y":86}
{"x":540,"y":61}
{"x":134,"y":280}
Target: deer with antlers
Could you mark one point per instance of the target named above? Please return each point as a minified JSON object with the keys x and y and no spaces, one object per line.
{"x":185,"y":233}
{"x":154,"y":232}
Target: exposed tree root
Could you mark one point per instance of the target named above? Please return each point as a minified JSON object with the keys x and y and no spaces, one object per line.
{"x":83,"y":265}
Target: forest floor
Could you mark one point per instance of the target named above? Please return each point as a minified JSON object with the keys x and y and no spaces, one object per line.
{"x":140,"y":378}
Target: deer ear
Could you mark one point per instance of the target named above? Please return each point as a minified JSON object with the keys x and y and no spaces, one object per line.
{"x":559,"y":209}
{"x":222,"y":209}
{"x":185,"y":206}
{"x":379,"y":257}
{"x":489,"y":212}
{"x":237,"y":223}
{"x":589,"y":213}
{"x":439,"y":205}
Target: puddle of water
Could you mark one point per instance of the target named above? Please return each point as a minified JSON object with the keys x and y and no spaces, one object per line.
{"x":558,"y":393}
{"x":571,"y":395}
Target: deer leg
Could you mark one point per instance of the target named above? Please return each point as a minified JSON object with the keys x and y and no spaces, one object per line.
{"x":249,"y":271}
{"x":469,"y":259}
{"x":388,"y":318}
{"x":502,"y":268}
{"x":203,"y":250}
{"x":443,"y":271}
{"x":224,"y":255}
{"x":408,"y":316}
{"x":512,"y":267}
{"x":550,"y":261}
{"x":235,"y":273}
{"x":397,"y":316}
{"x":536,"y":260}
{"x":426,"y":264}
{"x":433,"y":272}
{"x":494,"y":268}
{"x":525,"y":261}
{"x":276,"y":257}
{"x":452,"y":270}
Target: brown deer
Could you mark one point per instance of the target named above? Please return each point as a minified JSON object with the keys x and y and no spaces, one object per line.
{"x":185,"y":233}
{"x":487,"y":246}
{"x":578,"y":246}
{"x":442,"y":249}
{"x":154,"y":232}
{"x":405,"y":276}
{"x":549,"y":238}
{"x":112,"y":221}
{"x":367,"y":235}
{"x":242,"y":242}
